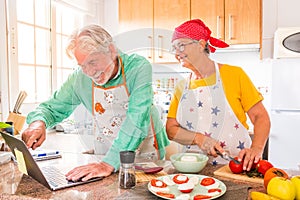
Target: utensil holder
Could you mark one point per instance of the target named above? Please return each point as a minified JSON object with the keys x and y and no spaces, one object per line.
{"x":18,"y":121}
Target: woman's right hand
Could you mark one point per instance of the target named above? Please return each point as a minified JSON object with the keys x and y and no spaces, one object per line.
{"x":35,"y":134}
{"x":208,"y":145}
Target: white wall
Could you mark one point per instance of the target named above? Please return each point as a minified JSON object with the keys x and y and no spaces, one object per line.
{"x":111,"y":16}
{"x":3,"y":62}
{"x":279,"y":13}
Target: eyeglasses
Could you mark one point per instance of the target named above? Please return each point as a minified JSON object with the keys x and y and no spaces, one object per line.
{"x":180,"y":46}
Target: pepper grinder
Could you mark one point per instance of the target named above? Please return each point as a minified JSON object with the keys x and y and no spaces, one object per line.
{"x":127,"y":178}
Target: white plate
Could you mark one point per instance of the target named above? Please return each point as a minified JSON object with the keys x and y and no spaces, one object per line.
{"x":198,"y":189}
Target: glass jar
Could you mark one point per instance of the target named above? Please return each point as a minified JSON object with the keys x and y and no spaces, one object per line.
{"x":127,"y":177}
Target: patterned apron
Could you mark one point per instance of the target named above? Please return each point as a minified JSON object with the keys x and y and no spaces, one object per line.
{"x":205,"y":109}
{"x":109,"y":110}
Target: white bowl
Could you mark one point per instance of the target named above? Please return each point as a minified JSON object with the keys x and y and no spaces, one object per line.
{"x":189,"y":162}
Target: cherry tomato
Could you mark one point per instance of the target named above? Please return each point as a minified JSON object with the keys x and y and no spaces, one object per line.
{"x":207,"y":181}
{"x":201,"y":196}
{"x":214,"y":190}
{"x":179,"y":181}
{"x":158,"y":183}
{"x":236,"y":168}
{"x":263,"y":166}
{"x":168,"y":195}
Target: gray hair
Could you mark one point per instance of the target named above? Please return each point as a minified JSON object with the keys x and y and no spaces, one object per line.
{"x":89,"y":39}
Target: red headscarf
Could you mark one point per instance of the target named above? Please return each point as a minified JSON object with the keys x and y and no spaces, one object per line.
{"x":196,"y":30}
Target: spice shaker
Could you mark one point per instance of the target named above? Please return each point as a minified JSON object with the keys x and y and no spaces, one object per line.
{"x":127,"y":170}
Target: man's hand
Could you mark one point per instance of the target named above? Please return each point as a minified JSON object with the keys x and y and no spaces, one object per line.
{"x":35,"y":134}
{"x":89,"y":171}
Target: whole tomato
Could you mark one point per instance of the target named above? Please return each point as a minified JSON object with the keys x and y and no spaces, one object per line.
{"x":273,"y":172}
{"x":263,"y":166}
{"x":236,"y":167}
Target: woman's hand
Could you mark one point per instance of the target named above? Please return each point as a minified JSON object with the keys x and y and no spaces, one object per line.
{"x":89,"y":171}
{"x":250,"y":156}
{"x":35,"y":134}
{"x":208,"y":145}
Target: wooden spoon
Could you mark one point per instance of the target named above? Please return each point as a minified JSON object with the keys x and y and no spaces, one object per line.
{"x":149,"y":170}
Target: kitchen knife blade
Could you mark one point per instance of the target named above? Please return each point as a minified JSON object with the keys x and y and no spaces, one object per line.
{"x":227,"y":157}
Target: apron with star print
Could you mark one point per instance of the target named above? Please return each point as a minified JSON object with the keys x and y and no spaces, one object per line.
{"x":109,"y":110}
{"x":205,"y":109}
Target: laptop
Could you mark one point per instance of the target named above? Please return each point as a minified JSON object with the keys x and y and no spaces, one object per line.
{"x":49,"y":176}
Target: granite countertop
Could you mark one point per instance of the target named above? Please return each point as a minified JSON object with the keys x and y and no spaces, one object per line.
{"x":18,"y":186}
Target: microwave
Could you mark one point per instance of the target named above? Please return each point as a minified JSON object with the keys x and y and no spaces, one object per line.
{"x":287,"y":42}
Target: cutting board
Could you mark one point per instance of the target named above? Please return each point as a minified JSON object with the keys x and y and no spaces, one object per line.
{"x":226,"y":172}
{"x":142,"y":177}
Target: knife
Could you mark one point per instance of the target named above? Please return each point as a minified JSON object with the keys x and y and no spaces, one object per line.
{"x":20,"y":100}
{"x":227,"y":157}
{"x":17,"y":102}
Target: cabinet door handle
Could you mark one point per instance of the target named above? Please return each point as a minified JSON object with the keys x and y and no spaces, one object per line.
{"x":160,"y":46}
{"x":230,"y":27}
{"x":151,"y":47}
{"x":218,"y":26}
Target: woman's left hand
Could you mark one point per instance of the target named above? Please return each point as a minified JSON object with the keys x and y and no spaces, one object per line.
{"x":89,"y":171}
{"x":249,"y":157}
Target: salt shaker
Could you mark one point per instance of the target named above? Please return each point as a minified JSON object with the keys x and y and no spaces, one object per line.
{"x":127,"y":170}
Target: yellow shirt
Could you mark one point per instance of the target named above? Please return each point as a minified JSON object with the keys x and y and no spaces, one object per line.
{"x":239,"y":90}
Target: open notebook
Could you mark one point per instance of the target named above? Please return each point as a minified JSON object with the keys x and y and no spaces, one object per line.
{"x":49,"y":176}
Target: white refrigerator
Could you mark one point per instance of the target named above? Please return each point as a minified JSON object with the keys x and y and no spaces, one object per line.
{"x":284,"y":140}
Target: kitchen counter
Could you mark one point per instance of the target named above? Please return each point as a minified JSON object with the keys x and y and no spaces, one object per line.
{"x":17,"y":186}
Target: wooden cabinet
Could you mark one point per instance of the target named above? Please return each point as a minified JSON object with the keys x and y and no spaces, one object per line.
{"x":148,"y":26}
{"x":234,"y":21}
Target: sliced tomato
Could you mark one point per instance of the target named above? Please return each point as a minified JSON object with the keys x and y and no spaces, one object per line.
{"x":179,"y":181}
{"x":201,"y":196}
{"x":187,"y":191}
{"x":168,"y":195}
{"x":158,"y":183}
{"x":207,"y":181}
{"x":214,"y":190}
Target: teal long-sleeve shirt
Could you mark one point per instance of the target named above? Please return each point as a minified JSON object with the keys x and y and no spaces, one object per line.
{"x":78,"y":90}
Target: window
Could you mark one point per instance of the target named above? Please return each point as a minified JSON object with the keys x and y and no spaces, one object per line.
{"x":37,"y":34}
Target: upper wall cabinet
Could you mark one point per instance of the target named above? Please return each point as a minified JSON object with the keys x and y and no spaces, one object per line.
{"x":234,"y":21}
{"x":148,"y":26}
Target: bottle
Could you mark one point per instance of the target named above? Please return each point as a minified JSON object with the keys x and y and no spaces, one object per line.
{"x":127,"y":177}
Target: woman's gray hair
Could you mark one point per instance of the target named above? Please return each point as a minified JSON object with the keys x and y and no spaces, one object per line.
{"x":89,"y":39}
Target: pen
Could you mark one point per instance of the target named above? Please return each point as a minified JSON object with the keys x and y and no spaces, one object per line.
{"x":46,"y":154}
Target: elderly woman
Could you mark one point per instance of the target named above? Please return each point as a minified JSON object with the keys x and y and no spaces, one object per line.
{"x":208,"y":111}
{"x":110,"y":85}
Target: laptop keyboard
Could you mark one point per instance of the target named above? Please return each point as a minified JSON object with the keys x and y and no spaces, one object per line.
{"x":54,"y":176}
